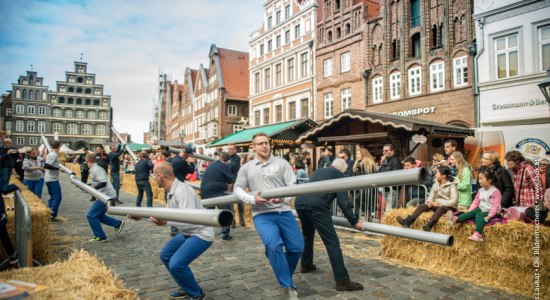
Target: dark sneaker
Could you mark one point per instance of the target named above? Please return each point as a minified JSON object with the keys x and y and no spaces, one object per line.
{"x":179,"y":294}
{"x":348,"y":285}
{"x":119,"y":202}
{"x":226,"y":238}
{"x":13,"y":259}
{"x":202,"y":296}
{"x":427,"y":227}
{"x":241,"y":222}
{"x":92,"y":199}
{"x":404,"y":222}
{"x":119,"y":228}
{"x":54,"y":220}
{"x":97,"y":240}
{"x":307,"y":269}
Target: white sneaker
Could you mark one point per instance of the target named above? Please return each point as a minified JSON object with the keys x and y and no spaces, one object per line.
{"x":292,"y":294}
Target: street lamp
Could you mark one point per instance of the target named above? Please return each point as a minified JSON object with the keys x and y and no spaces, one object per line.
{"x":545,"y":86}
{"x":182,"y":136}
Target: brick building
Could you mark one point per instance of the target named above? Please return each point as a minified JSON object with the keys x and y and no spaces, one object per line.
{"x":341,"y":55}
{"x":282,"y":81}
{"x":421,"y":63}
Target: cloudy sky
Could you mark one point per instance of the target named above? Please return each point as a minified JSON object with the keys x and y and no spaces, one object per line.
{"x":125,"y":43}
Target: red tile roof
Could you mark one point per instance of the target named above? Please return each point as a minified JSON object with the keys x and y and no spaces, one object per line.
{"x":234,"y":69}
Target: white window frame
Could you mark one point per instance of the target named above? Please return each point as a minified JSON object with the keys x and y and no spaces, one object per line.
{"x":437,"y":76}
{"x":237,"y":128}
{"x":290,"y":72}
{"x":91,"y":115}
{"x":542,"y":43}
{"x":304,"y":64}
{"x":20,"y":140}
{"x":72,"y":128}
{"x":80,"y":114}
{"x":30,"y":126}
{"x":378,"y":89}
{"x":33,"y":140}
{"x":327,"y":67}
{"x":100,"y":129}
{"x":345,"y":95}
{"x":31,"y":110}
{"x":345,"y":62}
{"x":19,"y":125}
{"x":278,"y":74}
{"x":460,"y":71}
{"x":506,"y":52}
{"x":395,"y":85}
{"x":86,"y":129}
{"x":42,"y":110}
{"x":68,"y":113}
{"x":328,"y":105}
{"x":232,"y":110}
{"x":20,"y":109}
{"x":57,"y":112}
{"x":415,"y":81}
{"x":57,"y":127}
{"x":288,"y":116}
{"x":41,"y":126}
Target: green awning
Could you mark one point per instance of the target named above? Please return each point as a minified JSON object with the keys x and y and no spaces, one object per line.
{"x":287,"y":131}
{"x":139,"y":147}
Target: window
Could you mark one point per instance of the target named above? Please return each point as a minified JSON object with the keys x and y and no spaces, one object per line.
{"x":57,"y":127}
{"x":68,"y":113}
{"x":91,"y":114}
{"x":20,"y":140}
{"x":346,"y":98}
{"x":269,"y":46}
{"x":278,"y":113}
{"x":290,"y":70}
{"x":415,"y":45}
{"x":287,"y":36}
{"x":19,"y":125}
{"x":31,"y":95}
{"x":31,"y":110}
{"x":72,"y":128}
{"x":8,"y":112}
{"x":506,"y":52}
{"x":8,"y":125}
{"x":269,"y":22}
{"x":297,"y":32}
{"x":292,"y":110}
{"x":261,"y":49}
{"x":278,"y":75}
{"x":337,"y":5}
{"x":102,"y":115}
{"x":267,"y":78}
{"x":232,"y":110}
{"x":79,"y":90}
{"x":88,"y":91}
{"x":61,"y":100}
{"x":257,"y":114}
{"x":70,"y":101}
{"x":237,"y":128}
{"x":304,"y":65}
{"x":544,"y":47}
{"x":415,"y":13}
{"x":395,"y":85}
{"x":304,"y":108}
{"x":79,"y":101}
{"x":80,"y":114}
{"x":460,"y":66}
{"x":41,"y":110}
{"x":278,"y":17}
{"x":328,"y":105}
{"x":86,"y":129}
{"x":266,"y":116}
{"x":79,"y":80}
{"x":414,"y":81}
{"x":30,"y":126}
{"x":37,"y":95}
{"x":24,"y":96}
{"x":96,"y":102}
{"x":19,"y":109}
{"x":377,"y":90}
{"x":100,"y":129}
{"x":71,"y":89}
{"x":41,"y":126}
{"x":437,"y":77}
{"x":278,"y":41}
{"x":257,"y":82}
{"x":327,"y":68}
{"x":33,"y":140}
{"x":88,"y":102}
{"x":57,"y":112}
{"x":345,"y":62}
{"x":287,"y":11}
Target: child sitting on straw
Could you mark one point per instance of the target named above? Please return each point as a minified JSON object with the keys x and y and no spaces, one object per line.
{"x":485,"y":206}
{"x":443,"y":198}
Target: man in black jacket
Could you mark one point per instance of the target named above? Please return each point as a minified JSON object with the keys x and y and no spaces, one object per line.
{"x":235,"y":165}
{"x":314,"y":213}
{"x":181,"y":166}
{"x":143,"y":168}
{"x":114,"y":158}
{"x":390,"y":162}
{"x":83,"y":166}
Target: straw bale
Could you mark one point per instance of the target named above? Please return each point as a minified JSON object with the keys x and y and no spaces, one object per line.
{"x":504,"y":260}
{"x":40,"y":215}
{"x":81,"y":276}
{"x":129,"y":186}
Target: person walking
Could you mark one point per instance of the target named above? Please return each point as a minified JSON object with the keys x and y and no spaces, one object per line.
{"x":97,"y":213}
{"x":314,"y":213}
{"x":114,"y":159}
{"x":142,"y":170}
{"x":273,"y":218}
{"x":51,"y":177}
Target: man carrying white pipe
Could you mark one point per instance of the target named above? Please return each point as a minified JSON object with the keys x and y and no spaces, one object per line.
{"x":273,"y":218}
{"x":96,"y":214}
{"x":314,"y":213}
{"x":51,"y":177}
{"x":193,"y":239}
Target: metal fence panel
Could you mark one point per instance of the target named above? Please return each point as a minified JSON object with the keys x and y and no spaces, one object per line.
{"x":23,"y":230}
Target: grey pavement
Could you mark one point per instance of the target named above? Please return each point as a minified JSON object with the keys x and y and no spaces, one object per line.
{"x":238,"y":269}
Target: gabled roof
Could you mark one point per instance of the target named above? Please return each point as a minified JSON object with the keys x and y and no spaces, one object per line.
{"x":234,"y":72}
{"x":281,"y":131}
{"x":407,"y":123}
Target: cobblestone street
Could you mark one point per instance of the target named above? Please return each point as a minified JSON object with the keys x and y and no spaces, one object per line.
{"x":238,"y":269}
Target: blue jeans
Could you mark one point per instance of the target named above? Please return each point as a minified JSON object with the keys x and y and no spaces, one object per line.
{"x":115,"y":180}
{"x":54,"y":190}
{"x":144,"y":186}
{"x":5,"y":174}
{"x":178,"y":254}
{"x":96,"y":216}
{"x":277,"y":229}
{"x":35,"y":186}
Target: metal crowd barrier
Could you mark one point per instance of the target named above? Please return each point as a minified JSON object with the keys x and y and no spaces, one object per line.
{"x":23,"y":231}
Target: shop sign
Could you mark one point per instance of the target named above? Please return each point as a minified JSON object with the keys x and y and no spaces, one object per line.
{"x":419,"y":139}
{"x":532,"y":102}
{"x":415,"y":111}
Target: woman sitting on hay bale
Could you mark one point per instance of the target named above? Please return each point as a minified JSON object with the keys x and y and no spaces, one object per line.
{"x":485,"y":206}
{"x":443,"y":198}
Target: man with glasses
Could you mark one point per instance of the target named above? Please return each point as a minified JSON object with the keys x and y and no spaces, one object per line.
{"x":273,"y":218}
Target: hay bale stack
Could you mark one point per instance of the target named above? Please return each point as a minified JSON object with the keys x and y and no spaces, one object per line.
{"x":81,"y":276}
{"x":504,"y":260}
{"x":40,"y":215}
{"x":129,"y":186}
